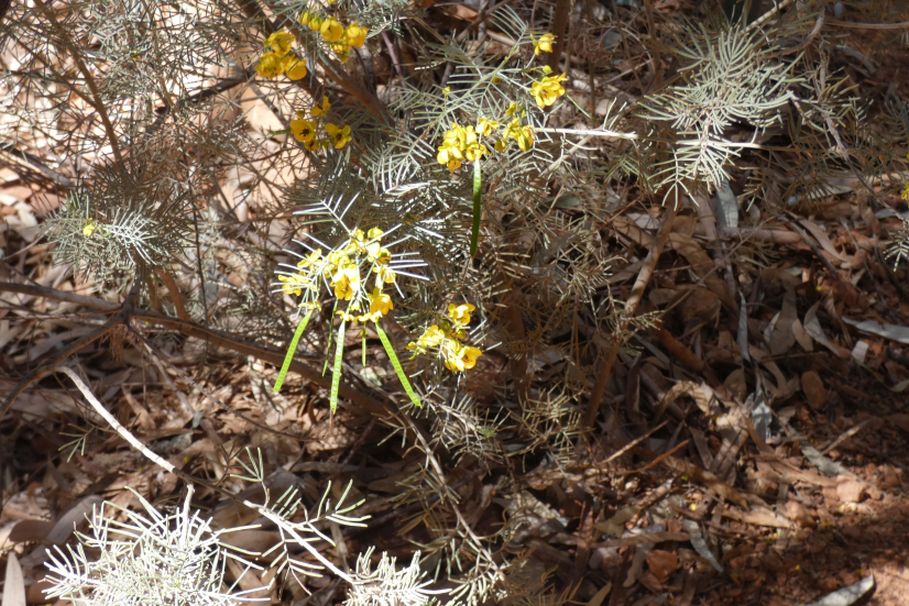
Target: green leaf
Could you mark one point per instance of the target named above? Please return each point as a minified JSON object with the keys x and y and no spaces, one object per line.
{"x":291,"y":350}
{"x":336,"y":369}
{"x":396,"y":364}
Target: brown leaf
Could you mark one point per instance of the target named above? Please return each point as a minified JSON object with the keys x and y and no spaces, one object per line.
{"x":781,"y":336}
{"x":850,"y":490}
{"x":30,"y":531}
{"x":814,"y":390}
{"x":699,"y":305}
{"x":600,"y":596}
{"x":701,"y":264}
{"x":798,"y":513}
{"x":662,"y":564}
{"x":813,"y":327}
{"x":759,"y":516}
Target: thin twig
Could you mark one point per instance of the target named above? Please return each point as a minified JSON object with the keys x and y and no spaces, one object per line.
{"x":95,"y":99}
{"x":8,"y":152}
{"x":112,"y":421}
{"x":190,"y":329}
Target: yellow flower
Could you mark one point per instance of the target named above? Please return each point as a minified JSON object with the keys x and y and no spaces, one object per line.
{"x":458,"y":357}
{"x":485,"y":127}
{"x":295,"y":284}
{"x":543,"y":44}
{"x":280,"y":42}
{"x":450,"y":156}
{"x":303,"y":130}
{"x":385,"y":275}
{"x":346,"y":280}
{"x":460,"y":314}
{"x":310,"y":260}
{"x":89,"y":228}
{"x":470,"y":356}
{"x":455,"y":144}
{"x":548,"y":89}
{"x":331,"y":30}
{"x":310,"y":20}
{"x":269,"y":65}
{"x":469,"y":143}
{"x":432,"y":337}
{"x":475,"y":151}
{"x":315,"y":145}
{"x":905,"y":194}
{"x":339,"y":136}
{"x":356,"y":35}
{"x":446,"y":340}
{"x":321,"y":110}
{"x":376,"y":254}
{"x":379,"y":305}
{"x":341,"y":50}
{"x":294,"y":67}
{"x":521,"y":134}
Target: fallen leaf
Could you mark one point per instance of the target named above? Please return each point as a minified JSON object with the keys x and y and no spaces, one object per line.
{"x":900,"y":421}
{"x":894,"y":332}
{"x":847,"y":595}
{"x":798,"y":513}
{"x":700,"y":545}
{"x":662,"y":564}
{"x":14,"y":585}
{"x":850,"y":490}
{"x":780,"y":337}
{"x":813,"y":328}
{"x":30,"y":531}
{"x":814,"y":390}
{"x":600,"y":596}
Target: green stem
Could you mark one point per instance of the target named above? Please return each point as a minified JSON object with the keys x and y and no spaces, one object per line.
{"x":396,"y":364}
{"x":336,"y":369}
{"x":291,"y":350}
{"x":477,"y":198}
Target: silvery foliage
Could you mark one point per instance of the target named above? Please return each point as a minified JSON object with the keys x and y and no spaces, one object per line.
{"x":148,"y":558}
{"x":388,"y":585}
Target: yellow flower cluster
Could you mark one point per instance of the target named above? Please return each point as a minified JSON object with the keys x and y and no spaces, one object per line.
{"x":315,"y":133}
{"x":905,"y":193}
{"x":279,"y":58}
{"x":460,"y":143}
{"x":547,"y":90}
{"x":543,"y":44}
{"x":446,"y":339}
{"x":347,"y":270}
{"x":340,"y":38}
